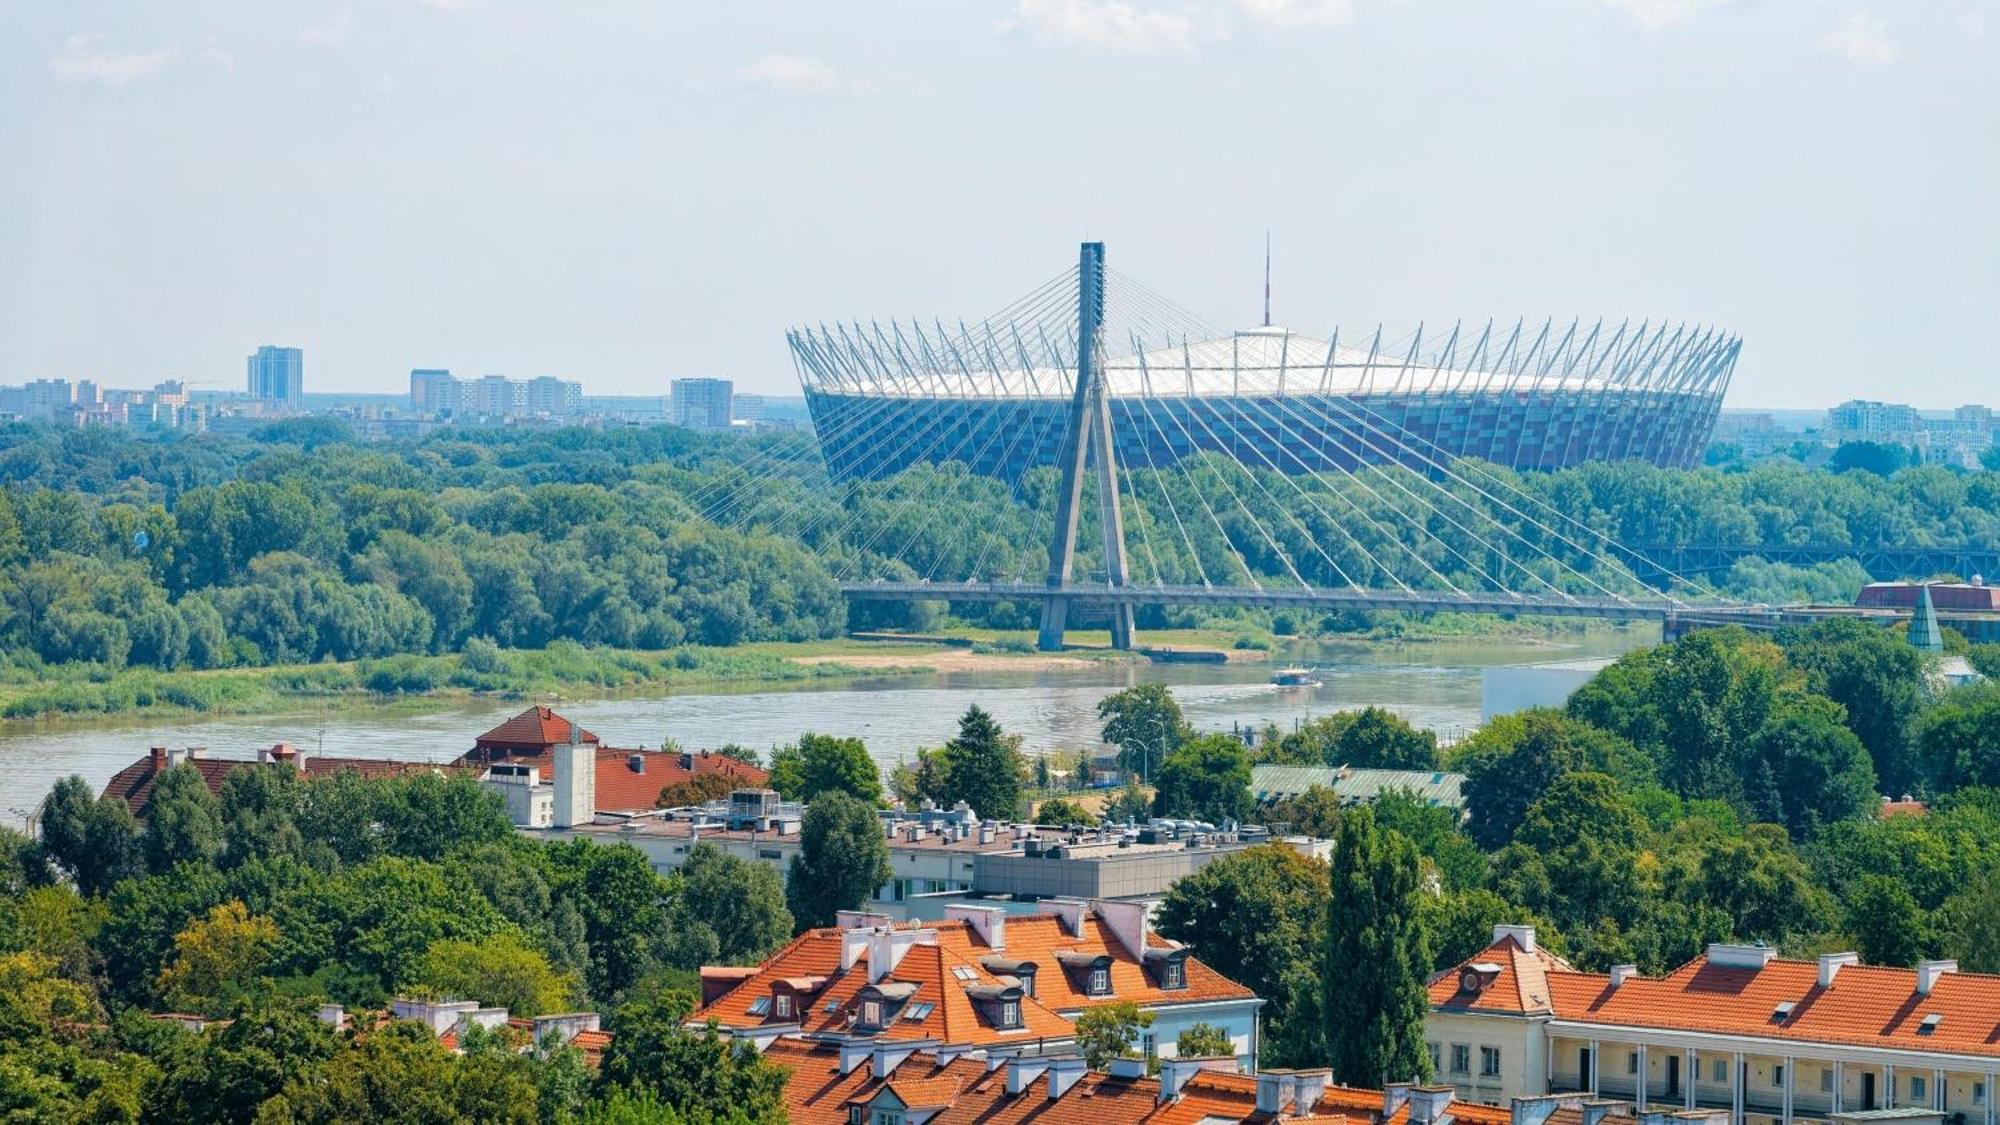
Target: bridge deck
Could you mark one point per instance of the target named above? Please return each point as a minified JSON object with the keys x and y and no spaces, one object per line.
{"x":1268,"y":597}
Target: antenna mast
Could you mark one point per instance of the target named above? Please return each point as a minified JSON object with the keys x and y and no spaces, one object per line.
{"x":1267,"y":277}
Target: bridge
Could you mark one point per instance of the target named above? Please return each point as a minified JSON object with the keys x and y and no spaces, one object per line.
{"x":1284,"y":499}
{"x":1663,"y":562}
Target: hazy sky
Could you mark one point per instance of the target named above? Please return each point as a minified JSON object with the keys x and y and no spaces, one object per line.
{"x":623,"y":193}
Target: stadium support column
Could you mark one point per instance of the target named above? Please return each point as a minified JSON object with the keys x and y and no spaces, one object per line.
{"x":1089,"y":425}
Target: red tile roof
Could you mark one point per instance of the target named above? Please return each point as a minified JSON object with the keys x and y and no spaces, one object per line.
{"x":536,"y":729}
{"x":1520,"y":987}
{"x":134,"y":784}
{"x":1866,"y":1005}
{"x":622,"y":787}
{"x":1039,"y":937}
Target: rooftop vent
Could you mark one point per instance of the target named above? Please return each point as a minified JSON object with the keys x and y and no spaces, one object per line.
{"x":1783,"y":1011}
{"x":1930,"y":1023}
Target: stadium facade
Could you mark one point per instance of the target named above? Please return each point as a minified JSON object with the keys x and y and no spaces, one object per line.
{"x":994,"y":396}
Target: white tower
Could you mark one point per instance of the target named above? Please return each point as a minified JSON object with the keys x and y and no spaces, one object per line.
{"x":576,"y":781}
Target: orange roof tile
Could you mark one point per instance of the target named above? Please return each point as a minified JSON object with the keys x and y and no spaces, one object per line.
{"x":1520,"y":987}
{"x":631,"y":780}
{"x":1866,"y":1005}
{"x":1039,"y":937}
{"x":537,"y":728}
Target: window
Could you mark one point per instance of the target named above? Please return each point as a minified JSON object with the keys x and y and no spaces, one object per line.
{"x":917,"y":1013}
{"x":1010,"y":1014}
{"x":1100,"y":981}
{"x":1916,"y":1087}
{"x":1146,"y":1045}
{"x":784,"y":1007}
{"x":1461,"y":1058}
{"x":1437,"y":1056}
{"x":832,"y":1006}
{"x":1979,"y":1093}
{"x":1489,"y":1062}
{"x":1631,"y":1062}
{"x":964,"y":972}
{"x":871,"y":1013}
{"x":1718,"y":1070}
{"x":854,"y":1115}
{"x":1777,"y":1076}
{"x":760,"y":1005}
{"x":888,"y":1117}
{"x":1173,"y":975}
{"x":1826,"y":1080}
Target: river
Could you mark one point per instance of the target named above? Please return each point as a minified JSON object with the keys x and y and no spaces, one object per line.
{"x":1434,"y":685}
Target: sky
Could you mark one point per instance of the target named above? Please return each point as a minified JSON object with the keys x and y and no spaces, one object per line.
{"x":626,"y":193}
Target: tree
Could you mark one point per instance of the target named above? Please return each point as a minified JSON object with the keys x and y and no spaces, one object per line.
{"x":1877,"y":677}
{"x":499,"y":971}
{"x":1129,"y":805}
{"x":842,"y":859}
{"x":1203,"y":1041}
{"x":1887,"y":925}
{"x":1062,"y":812}
{"x":94,"y":839}
{"x":228,"y":1074}
{"x":216,"y":958}
{"x":1970,"y":921}
{"x":1146,"y":725}
{"x":928,"y":780}
{"x":697,"y":790}
{"x":1811,"y":769}
{"x":1110,"y":1031}
{"x":1959,"y":738}
{"x":1257,"y":917}
{"x":1511,"y":761}
{"x":402,"y":1073}
{"x":1208,"y":778}
{"x":697,"y":1074}
{"x":1315,"y":812}
{"x":1381,"y":739}
{"x":983,"y":766}
{"x":183,"y":820}
{"x":742,"y":903}
{"x":1574,"y":857}
{"x":834,"y":765}
{"x":1377,"y":958}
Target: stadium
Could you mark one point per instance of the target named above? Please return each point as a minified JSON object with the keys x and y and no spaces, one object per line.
{"x":994,"y":395}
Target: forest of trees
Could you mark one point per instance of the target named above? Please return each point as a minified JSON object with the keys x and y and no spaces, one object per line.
{"x":298,"y":544}
{"x":254,"y":906}
{"x":1722,"y":788}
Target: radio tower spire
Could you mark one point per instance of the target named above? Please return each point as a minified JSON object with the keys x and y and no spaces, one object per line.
{"x":1267,"y":277}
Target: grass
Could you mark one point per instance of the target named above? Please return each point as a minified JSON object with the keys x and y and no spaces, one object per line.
{"x":40,"y":691}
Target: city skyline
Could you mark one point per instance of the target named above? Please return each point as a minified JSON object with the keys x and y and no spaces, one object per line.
{"x":663,"y":196}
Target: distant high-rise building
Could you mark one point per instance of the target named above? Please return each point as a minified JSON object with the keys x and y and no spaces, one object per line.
{"x":702,"y":404}
{"x":746,"y":408}
{"x":1862,"y":420}
{"x":278,"y":375}
{"x":557,"y":398}
{"x":495,"y":395}
{"x":433,"y":391}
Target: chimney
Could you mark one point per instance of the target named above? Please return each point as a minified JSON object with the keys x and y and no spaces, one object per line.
{"x":1830,"y":965}
{"x":989,"y":922}
{"x":1063,"y":1073}
{"x":1308,"y":1087}
{"x":853,"y":942}
{"x":1272,"y":1086}
{"x":1597,"y":1109}
{"x":1725,"y":956}
{"x":1069,"y":910}
{"x":1535,"y":1110}
{"x":852,"y":1051}
{"x":1430,"y":1104}
{"x":1928,"y":973}
{"x":886,"y":949}
{"x":1128,"y":1066}
{"x":1394,"y":1094}
{"x":333,"y":1015}
{"x":1022,"y":1070}
{"x":985,"y":834}
{"x":1174,"y":1073}
{"x":1127,"y":921}
{"x":1524,"y":936}
{"x":575,"y":782}
{"x":158,"y":756}
{"x":886,"y":1057}
{"x":1622,"y":973}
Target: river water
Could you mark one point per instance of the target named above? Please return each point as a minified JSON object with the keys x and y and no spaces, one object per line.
{"x":1434,"y":685}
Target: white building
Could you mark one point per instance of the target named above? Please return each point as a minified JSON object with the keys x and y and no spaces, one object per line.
{"x":1772,"y":1041}
{"x":703,"y":404}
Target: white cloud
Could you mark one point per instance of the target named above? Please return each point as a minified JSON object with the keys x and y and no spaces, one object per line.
{"x":85,"y":58}
{"x":1863,"y":39}
{"x":332,"y":33}
{"x":793,"y":74}
{"x":1291,"y":15}
{"x":1658,"y":15}
{"x":1114,"y":25}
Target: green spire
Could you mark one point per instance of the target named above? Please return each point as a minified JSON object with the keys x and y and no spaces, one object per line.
{"x":1923,"y":625}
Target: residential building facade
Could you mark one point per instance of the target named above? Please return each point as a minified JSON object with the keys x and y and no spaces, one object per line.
{"x":1768,"y":1040}
{"x":277,"y":375}
{"x":703,"y":404}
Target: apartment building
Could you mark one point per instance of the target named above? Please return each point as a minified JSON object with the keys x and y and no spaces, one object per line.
{"x":1769,"y":1040}
{"x":981,"y":978}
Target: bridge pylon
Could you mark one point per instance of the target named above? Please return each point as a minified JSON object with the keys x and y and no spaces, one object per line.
{"x":1088,"y":429}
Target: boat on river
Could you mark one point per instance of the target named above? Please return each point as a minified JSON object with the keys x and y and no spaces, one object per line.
{"x":1294,"y":677}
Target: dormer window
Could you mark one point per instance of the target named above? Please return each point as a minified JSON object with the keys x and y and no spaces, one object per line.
{"x":783,"y":1002}
{"x":1100,"y":982}
{"x":1782,"y":1012}
{"x":1010,"y":1014}
{"x":871,"y":1013}
{"x":1173,"y":975}
{"x":1168,"y":966}
{"x":1930,"y":1024}
{"x":997,"y":1004}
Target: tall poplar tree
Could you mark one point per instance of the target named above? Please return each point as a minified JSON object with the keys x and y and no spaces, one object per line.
{"x":1377,"y":956}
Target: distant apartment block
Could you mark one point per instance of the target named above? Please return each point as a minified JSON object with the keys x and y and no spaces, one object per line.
{"x":435,"y":393}
{"x":277,"y":375}
{"x":1959,"y":440}
{"x":703,"y":404}
{"x":85,"y":403}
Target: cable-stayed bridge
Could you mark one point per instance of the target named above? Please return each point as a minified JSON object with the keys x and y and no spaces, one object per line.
{"x":1164,"y":463}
